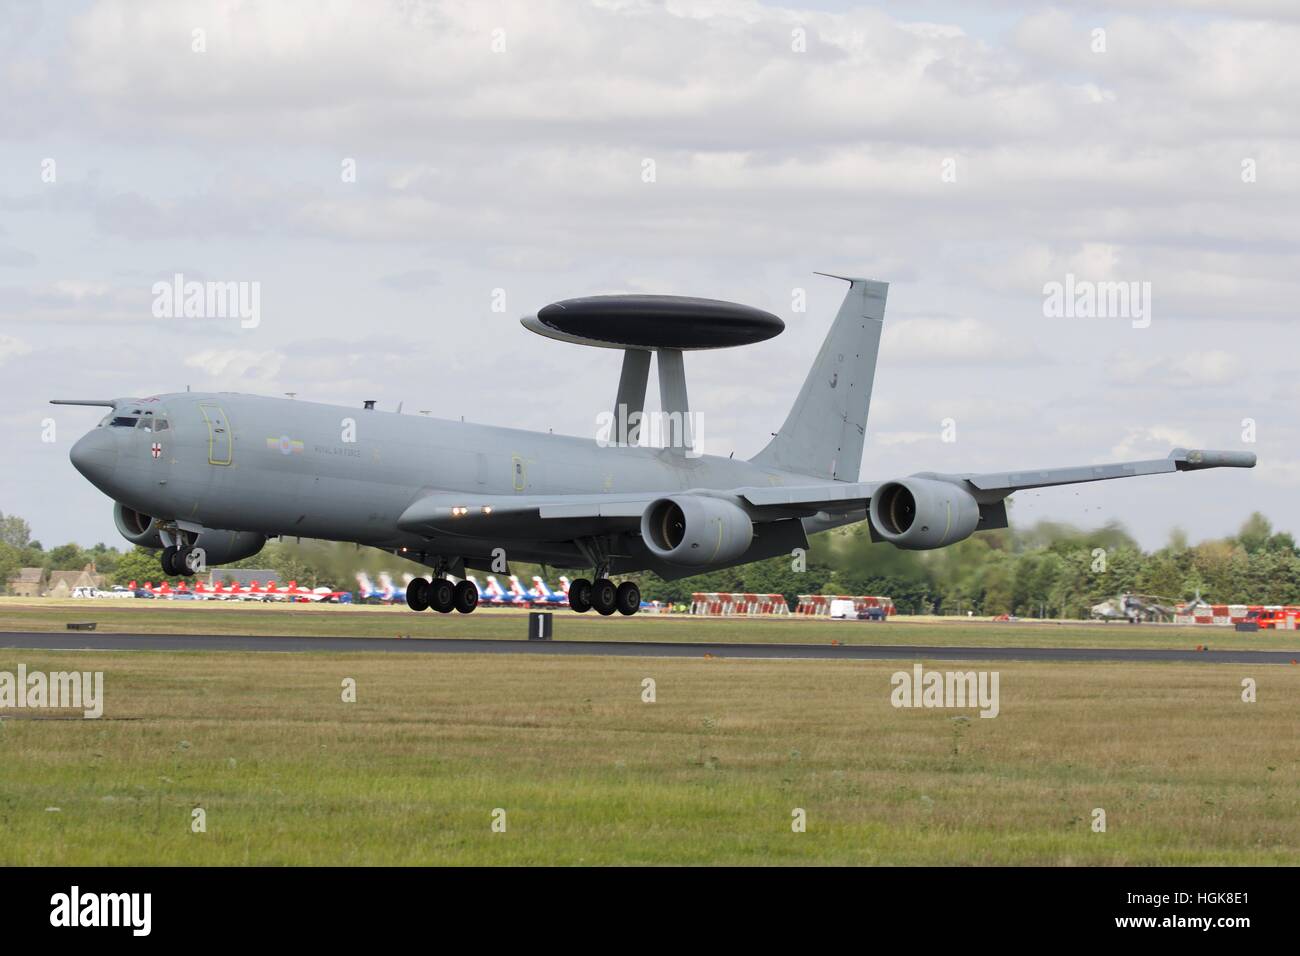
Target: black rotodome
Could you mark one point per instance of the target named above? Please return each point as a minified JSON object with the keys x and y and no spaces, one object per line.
{"x":661,"y":321}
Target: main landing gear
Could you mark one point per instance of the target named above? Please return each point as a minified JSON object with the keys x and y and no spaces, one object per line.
{"x":441,"y":595}
{"x":604,"y":597}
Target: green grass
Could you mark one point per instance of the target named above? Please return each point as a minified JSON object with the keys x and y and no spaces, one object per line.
{"x":587,"y":773}
{"x":167,"y":617}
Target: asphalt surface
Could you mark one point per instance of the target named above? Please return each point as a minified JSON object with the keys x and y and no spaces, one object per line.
{"x":77,"y":641}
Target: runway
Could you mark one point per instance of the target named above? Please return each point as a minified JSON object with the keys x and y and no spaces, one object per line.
{"x":70,"y":641}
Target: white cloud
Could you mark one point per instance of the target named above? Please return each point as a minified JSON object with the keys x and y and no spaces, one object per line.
{"x":1153,"y":441}
{"x":943,"y":342}
{"x":522,"y":171}
{"x":11,"y":348}
{"x":232,"y":367}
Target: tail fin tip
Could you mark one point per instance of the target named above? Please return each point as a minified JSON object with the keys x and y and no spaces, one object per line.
{"x":824,"y":432}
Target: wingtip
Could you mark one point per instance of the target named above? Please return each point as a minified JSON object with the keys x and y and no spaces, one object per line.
{"x":1197,"y":458}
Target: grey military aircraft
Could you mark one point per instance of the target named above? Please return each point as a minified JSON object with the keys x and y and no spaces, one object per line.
{"x":208,"y":477}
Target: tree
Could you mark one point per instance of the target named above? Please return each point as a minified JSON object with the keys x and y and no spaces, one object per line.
{"x":139,"y":565}
{"x":1254,"y":533}
{"x":10,"y":562}
{"x":66,"y":557}
{"x":14,"y":531}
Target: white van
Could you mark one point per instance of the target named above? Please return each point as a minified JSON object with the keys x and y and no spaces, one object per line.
{"x":844,"y":610}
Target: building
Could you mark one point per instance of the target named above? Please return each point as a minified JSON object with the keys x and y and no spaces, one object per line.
{"x":35,"y":582}
{"x":62,"y":583}
{"x":28,"y":582}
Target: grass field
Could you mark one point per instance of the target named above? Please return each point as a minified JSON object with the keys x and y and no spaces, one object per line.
{"x":411,"y":773}
{"x":165,"y":617}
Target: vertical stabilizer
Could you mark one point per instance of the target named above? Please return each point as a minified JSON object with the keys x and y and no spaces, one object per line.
{"x":824,"y":432}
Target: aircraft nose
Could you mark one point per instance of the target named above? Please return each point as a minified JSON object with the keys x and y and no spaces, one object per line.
{"x":95,"y":456}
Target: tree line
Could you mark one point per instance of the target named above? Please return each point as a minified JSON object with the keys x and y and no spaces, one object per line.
{"x":1045,"y":570}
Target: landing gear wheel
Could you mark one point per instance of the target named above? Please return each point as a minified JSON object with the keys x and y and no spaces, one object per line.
{"x":417,"y":594}
{"x":580,"y":595}
{"x":188,"y":562}
{"x":603,"y":596}
{"x":442,"y":595}
{"x":168,"y":555}
{"x":627,"y":599}
{"x":465,"y":597}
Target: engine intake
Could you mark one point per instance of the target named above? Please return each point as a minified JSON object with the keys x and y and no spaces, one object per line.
{"x":219,"y":547}
{"x":918,"y":514}
{"x":137,"y":528}
{"x":696,"y":530}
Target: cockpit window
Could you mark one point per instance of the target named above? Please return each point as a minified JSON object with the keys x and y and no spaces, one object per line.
{"x":123,"y":421}
{"x":160,"y":425}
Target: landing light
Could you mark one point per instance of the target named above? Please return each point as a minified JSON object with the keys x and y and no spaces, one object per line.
{"x":487,"y":509}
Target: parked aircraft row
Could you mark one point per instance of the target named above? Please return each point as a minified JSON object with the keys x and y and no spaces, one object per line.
{"x":253,"y":591}
{"x":491,"y":594}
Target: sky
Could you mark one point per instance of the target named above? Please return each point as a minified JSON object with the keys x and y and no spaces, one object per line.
{"x":404,"y":180}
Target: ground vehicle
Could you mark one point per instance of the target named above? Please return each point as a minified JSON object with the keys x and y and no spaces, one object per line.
{"x":1271,"y":619}
{"x":873,"y":614}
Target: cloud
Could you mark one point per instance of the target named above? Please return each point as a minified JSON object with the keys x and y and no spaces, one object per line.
{"x":1153,"y":441}
{"x":524,"y":170}
{"x":11,"y":348}
{"x":412,"y":280}
{"x":233,"y":367}
{"x":1207,"y":368}
{"x":943,"y":342}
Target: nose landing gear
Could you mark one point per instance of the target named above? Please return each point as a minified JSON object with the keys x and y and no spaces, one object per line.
{"x":176,"y":562}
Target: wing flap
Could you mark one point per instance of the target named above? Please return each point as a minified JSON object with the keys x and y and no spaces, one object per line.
{"x":832,"y":496}
{"x":496,"y":515}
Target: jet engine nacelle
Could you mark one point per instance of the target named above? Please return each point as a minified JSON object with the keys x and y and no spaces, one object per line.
{"x":696,"y":530}
{"x":224,"y":547}
{"x":219,"y":547}
{"x":137,"y":528}
{"x":919,"y":513}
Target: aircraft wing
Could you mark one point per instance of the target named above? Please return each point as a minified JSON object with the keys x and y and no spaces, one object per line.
{"x":1180,"y":459}
{"x":568,"y":516}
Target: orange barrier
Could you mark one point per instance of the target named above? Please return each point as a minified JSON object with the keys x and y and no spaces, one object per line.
{"x":747,"y":605}
{"x":819,"y":605}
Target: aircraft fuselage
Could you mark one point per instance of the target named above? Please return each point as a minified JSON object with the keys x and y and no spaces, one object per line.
{"x":278,"y":466}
